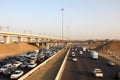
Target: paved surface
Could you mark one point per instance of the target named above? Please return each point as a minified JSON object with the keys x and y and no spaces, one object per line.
{"x":82,"y":69}
{"x":49,"y":71}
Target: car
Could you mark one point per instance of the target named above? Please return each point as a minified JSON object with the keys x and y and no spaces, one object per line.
{"x":32,"y":65}
{"x":76,"y":49}
{"x":118,"y":75}
{"x":72,"y":49}
{"x":9,"y":71}
{"x":74,"y":59}
{"x":17,"y":64}
{"x":73,"y":54}
{"x":8,"y":65}
{"x":111,"y":63}
{"x":16,"y":74}
{"x":25,"y":64}
{"x":2,"y":69}
{"x":33,"y":56}
{"x":98,"y":72}
{"x":81,"y":52}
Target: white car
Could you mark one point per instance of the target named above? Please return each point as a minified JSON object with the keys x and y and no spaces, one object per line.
{"x":73,"y":52}
{"x":32,"y":65}
{"x":2,"y":69}
{"x":98,"y":72}
{"x":74,"y":59}
{"x":17,"y":63}
{"x":9,"y":65}
{"x":111,"y":63}
{"x":76,"y":49}
{"x":81,"y":52}
{"x":16,"y":74}
{"x":73,"y":55}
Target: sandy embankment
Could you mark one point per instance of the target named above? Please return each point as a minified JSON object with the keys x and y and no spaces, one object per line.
{"x":15,"y":49}
{"x":113,"y":47}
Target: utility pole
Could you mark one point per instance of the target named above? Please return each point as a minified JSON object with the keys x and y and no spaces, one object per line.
{"x":0,"y":28}
{"x":62,"y":23}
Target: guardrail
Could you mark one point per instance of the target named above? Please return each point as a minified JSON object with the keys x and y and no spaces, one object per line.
{"x":60,"y":72}
{"x":39,"y":66}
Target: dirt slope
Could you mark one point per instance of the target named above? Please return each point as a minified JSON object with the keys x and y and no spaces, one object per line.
{"x":14,"y":49}
{"x":113,"y":46}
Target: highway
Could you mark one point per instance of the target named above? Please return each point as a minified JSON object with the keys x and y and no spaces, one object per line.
{"x":82,"y":69}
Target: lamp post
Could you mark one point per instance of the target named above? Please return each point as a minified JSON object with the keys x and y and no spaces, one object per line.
{"x":62,"y":23}
{"x":0,"y":28}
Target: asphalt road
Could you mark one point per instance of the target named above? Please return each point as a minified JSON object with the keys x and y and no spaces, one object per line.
{"x":82,"y":69}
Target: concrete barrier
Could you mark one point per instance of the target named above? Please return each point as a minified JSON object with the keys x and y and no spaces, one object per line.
{"x":60,"y":72}
{"x":39,"y":66}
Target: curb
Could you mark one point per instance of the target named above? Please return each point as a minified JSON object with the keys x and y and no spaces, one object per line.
{"x":59,"y":74}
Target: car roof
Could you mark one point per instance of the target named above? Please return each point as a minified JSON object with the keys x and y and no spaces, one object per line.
{"x":18,"y":71}
{"x":97,"y":69}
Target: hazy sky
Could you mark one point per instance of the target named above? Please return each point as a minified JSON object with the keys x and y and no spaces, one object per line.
{"x":83,"y":19}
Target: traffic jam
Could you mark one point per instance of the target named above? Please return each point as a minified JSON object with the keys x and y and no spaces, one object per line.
{"x":17,"y":66}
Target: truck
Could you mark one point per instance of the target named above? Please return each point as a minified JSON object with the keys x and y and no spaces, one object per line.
{"x":84,"y":49}
{"x":81,"y":52}
{"x":94,"y":54}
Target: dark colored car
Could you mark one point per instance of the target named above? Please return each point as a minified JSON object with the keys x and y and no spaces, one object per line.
{"x":25,"y":64}
{"x":117,"y":76}
{"x":9,"y":71}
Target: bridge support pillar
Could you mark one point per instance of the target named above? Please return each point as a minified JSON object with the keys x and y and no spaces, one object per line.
{"x":59,"y":44}
{"x":19,"y":39}
{"x":29,"y":39}
{"x":48,"y":45}
{"x":37,"y":41}
{"x":51,"y":44}
{"x":56,"y":44}
{"x":6,"y":39}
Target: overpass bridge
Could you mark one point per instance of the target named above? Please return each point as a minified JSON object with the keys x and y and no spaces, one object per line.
{"x":30,"y":38}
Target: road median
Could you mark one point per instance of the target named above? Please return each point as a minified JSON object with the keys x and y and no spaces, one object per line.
{"x":59,"y":74}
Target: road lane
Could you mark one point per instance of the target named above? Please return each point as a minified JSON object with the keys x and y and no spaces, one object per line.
{"x":82,"y":69}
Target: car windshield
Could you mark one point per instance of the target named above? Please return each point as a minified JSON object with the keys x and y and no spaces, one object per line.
{"x":111,"y":62}
{"x":98,"y":70}
{"x":16,"y":72}
{"x":4,"y":67}
{"x":31,"y":63}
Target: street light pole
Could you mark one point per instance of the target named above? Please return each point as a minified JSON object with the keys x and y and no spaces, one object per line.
{"x":0,"y":28}
{"x":62,"y":23}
